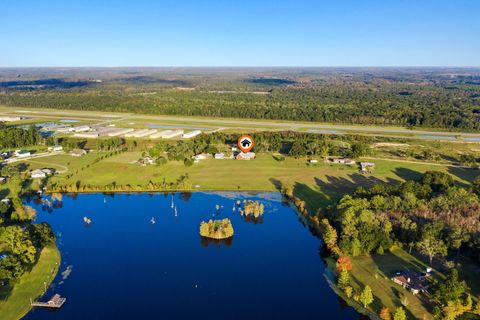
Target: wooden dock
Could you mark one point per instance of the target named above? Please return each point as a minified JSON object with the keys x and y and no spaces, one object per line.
{"x":55,"y":302}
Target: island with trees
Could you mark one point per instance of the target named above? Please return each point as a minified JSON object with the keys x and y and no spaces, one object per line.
{"x":252,"y":208}
{"x":217,"y":229}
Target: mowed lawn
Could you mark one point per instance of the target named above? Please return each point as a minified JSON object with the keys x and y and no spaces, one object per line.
{"x":316,"y":183}
{"x":31,"y":285}
{"x":376,"y":271}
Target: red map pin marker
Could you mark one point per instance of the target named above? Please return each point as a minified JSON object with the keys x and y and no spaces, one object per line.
{"x":245,"y":143}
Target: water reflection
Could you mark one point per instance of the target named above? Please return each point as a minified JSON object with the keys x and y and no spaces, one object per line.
{"x":205,"y":242}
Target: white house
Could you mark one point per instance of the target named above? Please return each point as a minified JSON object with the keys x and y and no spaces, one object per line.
{"x":22,"y":153}
{"x":246,"y":156}
{"x":40,"y":173}
{"x":365,"y":166}
{"x":78,"y":152}
{"x":313,"y":161}
{"x":37,"y":174}
{"x":219,"y":155}
{"x":346,"y":161}
{"x":55,"y":148}
{"x":146,"y":160}
{"x":201,"y":156}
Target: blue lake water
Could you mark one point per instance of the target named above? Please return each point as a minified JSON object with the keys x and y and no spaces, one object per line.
{"x":124,"y":267}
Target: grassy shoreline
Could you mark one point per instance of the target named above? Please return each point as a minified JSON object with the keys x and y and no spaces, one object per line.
{"x":31,"y":285}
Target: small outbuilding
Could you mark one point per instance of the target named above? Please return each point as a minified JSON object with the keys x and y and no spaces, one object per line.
{"x":55,"y":148}
{"x":346,"y":161}
{"x":366,"y":166}
{"x":246,"y":156}
{"x":219,"y":156}
{"x":78,"y":152}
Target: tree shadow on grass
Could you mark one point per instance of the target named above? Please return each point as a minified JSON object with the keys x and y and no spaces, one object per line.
{"x":408,"y":174}
{"x":5,"y":290}
{"x":390,"y":263}
{"x":335,"y":187}
{"x":465,"y":174}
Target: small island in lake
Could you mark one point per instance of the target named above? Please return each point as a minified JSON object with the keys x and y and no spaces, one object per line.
{"x":216,"y":229}
{"x":252,"y":208}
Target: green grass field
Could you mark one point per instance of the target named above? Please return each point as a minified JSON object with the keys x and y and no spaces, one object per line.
{"x":319,"y":184}
{"x":31,"y":285}
{"x":376,"y":270}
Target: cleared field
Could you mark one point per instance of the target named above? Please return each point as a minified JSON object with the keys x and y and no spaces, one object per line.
{"x":376,"y":270}
{"x":318,"y":184}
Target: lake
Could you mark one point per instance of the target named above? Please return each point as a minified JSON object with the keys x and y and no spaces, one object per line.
{"x":122,"y":266}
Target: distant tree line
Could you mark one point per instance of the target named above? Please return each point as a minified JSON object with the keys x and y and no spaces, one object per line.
{"x":385,"y":101}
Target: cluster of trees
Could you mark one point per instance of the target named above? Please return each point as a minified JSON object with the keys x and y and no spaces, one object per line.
{"x":294,"y":144}
{"x":364,"y":296}
{"x":216,"y":229}
{"x":431,"y":215}
{"x":252,"y":208}
{"x":21,"y":240}
{"x":14,"y":137}
{"x":366,"y":98}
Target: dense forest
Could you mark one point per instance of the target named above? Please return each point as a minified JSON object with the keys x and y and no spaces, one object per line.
{"x":443,"y":98}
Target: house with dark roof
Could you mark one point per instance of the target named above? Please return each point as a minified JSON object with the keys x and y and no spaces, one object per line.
{"x":414,"y":281}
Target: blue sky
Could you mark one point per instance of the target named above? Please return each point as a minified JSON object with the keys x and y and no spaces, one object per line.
{"x":239,"y":33}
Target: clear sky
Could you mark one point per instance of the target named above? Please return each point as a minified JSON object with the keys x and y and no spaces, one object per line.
{"x":239,"y":33}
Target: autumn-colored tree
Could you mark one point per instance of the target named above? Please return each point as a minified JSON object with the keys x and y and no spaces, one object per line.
{"x":343,"y":279}
{"x":348,"y":291}
{"x":366,"y":297}
{"x":399,"y":314}
{"x":329,"y":234}
{"x":344,"y":263}
{"x":385,"y":314}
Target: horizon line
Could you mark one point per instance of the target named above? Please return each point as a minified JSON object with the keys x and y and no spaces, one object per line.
{"x":252,"y":66}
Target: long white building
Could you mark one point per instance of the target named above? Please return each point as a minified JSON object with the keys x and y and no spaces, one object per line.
{"x":173,"y":134}
{"x":120,"y":132}
{"x":191,"y":134}
{"x":160,"y":134}
{"x":134,"y":133}
{"x":145,"y":133}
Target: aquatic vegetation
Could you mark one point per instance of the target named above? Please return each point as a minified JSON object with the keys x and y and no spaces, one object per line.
{"x":216,"y":229}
